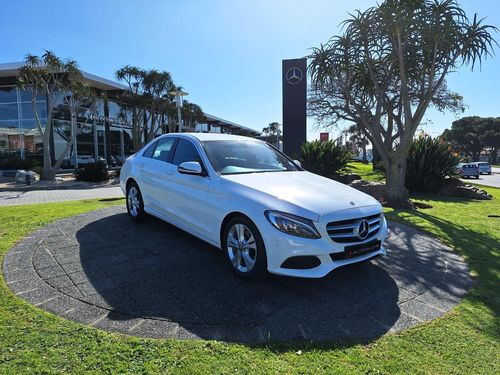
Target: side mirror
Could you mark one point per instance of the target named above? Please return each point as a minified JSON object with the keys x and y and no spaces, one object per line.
{"x":298,"y":163}
{"x":190,"y":167}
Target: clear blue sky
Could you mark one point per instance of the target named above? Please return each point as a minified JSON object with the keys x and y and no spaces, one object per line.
{"x":226,"y":54}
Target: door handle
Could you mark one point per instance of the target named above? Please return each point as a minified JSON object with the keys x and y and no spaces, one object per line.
{"x":141,"y":165}
{"x":169,"y":173}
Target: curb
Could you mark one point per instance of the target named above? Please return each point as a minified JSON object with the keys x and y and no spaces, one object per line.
{"x":47,"y":188}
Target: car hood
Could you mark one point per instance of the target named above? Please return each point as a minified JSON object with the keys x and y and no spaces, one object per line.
{"x":301,"y":193}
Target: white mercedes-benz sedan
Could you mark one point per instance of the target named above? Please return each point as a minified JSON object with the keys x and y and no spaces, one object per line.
{"x":250,"y":200}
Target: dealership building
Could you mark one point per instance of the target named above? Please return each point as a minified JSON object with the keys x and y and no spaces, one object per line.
{"x":106,"y":134}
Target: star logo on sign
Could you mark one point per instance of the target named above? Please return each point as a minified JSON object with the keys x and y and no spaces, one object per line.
{"x":294,"y":75}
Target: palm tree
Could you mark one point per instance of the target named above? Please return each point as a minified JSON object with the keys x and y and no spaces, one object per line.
{"x":192,"y":114}
{"x":134,"y":78}
{"x":48,"y":75}
{"x":272,"y":133}
{"x":78,"y":94}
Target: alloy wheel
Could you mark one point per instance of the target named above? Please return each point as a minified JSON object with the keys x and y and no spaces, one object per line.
{"x":133,"y":201}
{"x":241,"y":248}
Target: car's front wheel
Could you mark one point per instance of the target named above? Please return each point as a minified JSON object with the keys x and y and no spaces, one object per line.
{"x":135,"y":204}
{"x":244,"y":248}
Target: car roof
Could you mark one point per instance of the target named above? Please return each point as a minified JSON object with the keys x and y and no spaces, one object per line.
{"x":213,"y":137}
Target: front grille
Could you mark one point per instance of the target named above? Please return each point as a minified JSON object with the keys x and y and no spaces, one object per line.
{"x":343,"y":231}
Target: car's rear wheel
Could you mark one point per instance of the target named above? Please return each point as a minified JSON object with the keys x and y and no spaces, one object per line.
{"x":135,"y":204}
{"x":244,"y":248}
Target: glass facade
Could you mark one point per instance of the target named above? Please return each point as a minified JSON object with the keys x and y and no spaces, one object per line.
{"x":106,"y":134}
{"x":19,"y":134}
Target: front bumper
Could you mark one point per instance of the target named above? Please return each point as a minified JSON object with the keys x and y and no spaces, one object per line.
{"x":281,"y":246}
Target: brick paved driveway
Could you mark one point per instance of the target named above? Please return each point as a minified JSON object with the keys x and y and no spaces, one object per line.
{"x":15,"y":198}
{"x":153,"y":280}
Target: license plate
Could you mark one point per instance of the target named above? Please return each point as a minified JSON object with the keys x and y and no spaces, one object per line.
{"x":357,"y":250}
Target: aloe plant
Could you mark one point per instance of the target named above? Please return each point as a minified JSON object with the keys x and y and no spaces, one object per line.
{"x":323,"y":158}
{"x":430,"y":161}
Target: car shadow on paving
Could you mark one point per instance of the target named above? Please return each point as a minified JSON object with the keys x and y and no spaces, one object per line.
{"x":151,"y":279}
{"x":162,"y":273}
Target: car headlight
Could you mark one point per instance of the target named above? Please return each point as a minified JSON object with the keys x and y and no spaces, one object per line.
{"x":291,"y":224}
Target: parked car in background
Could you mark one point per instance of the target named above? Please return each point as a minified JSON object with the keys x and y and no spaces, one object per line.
{"x":467,"y":170}
{"x":261,"y":208}
{"x":484,"y":167}
{"x":82,"y":159}
{"x":359,"y":157}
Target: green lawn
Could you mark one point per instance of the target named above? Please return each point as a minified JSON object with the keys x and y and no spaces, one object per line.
{"x":365,"y":171}
{"x":465,"y":340}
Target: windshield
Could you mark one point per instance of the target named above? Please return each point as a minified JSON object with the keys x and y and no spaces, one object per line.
{"x":235,"y":157}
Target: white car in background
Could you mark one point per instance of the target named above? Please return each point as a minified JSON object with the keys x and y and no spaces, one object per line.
{"x":484,"y":167}
{"x":253,"y":202}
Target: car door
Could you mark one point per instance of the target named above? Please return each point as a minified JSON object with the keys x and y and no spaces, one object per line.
{"x":141,"y":174}
{"x":157,"y":172}
{"x":189,"y":193}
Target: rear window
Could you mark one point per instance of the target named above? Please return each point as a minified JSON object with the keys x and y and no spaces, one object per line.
{"x":469,"y":166}
{"x":483,"y":164}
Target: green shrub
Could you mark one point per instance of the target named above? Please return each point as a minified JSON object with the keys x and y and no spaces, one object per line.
{"x":324,"y":158}
{"x":429,"y":162}
{"x":92,"y":172}
{"x":15,"y":163}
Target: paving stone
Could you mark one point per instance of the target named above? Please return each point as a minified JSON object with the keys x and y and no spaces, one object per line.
{"x":71,"y":291}
{"x":19,"y":274}
{"x":86,"y":275}
{"x":404,"y":322}
{"x":100,"y":286}
{"x":419,"y":310}
{"x":60,"y":305}
{"x":59,"y":282}
{"x":39,"y":295}
{"x":24,"y":285}
{"x":153,"y":280}
{"x":17,"y":259}
{"x":85,"y":313}
{"x":118,"y":322}
{"x":155,"y":329}
{"x":439,"y":300}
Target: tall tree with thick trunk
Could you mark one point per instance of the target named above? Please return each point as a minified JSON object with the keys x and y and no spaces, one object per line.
{"x":389,"y":65}
{"x":134,"y":78}
{"x":48,"y":75}
{"x":149,"y":98}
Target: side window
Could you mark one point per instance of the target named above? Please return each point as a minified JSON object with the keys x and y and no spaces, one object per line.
{"x":186,"y":151}
{"x":164,"y":149}
{"x":149,"y":152}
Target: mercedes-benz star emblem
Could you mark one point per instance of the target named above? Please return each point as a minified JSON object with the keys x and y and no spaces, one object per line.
{"x":294,"y":75}
{"x":362,"y":230}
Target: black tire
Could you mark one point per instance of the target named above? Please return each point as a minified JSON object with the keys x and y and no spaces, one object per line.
{"x":135,"y":206}
{"x":259,"y":269}
{"x":477,"y":177}
{"x":489,"y":172}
